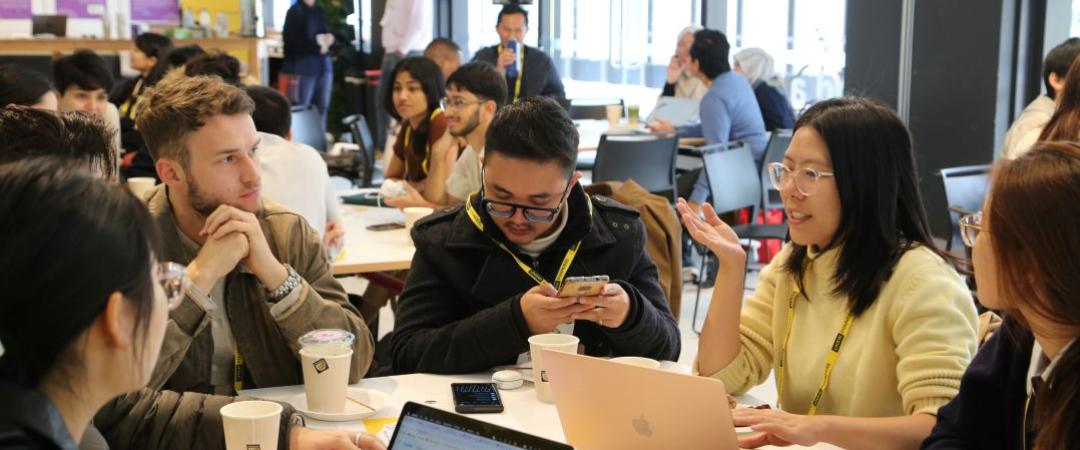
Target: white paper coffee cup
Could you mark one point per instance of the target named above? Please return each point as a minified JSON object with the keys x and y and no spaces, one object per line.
{"x":251,"y":425}
{"x":637,"y":361}
{"x":326,"y":358}
{"x":614,"y":114}
{"x":326,"y":377}
{"x":141,"y":186}
{"x":566,"y":343}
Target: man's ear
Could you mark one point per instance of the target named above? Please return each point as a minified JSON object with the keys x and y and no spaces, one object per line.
{"x":169,"y":171}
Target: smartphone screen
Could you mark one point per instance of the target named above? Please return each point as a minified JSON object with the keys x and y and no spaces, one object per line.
{"x":476,"y":398}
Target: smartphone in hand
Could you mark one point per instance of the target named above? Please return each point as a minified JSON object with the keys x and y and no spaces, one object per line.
{"x":583,"y":286}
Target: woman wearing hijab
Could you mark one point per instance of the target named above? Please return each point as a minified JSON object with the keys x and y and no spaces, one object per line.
{"x":756,"y":66}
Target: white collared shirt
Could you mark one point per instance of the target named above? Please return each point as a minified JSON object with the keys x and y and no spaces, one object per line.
{"x":1041,"y":366}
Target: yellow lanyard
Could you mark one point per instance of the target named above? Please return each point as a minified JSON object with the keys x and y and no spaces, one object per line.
{"x":132,"y":100}
{"x":532,"y":273}
{"x":427,"y":147}
{"x":521,"y":72}
{"x":1023,"y":424}
{"x":830,"y":362}
{"x":238,"y":369}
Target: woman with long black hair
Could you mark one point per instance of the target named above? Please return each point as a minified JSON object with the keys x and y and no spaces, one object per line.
{"x":865,"y":323}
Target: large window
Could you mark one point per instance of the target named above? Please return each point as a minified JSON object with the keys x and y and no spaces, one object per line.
{"x":805,"y":37}
{"x":618,"y":48}
{"x":483,"y":15}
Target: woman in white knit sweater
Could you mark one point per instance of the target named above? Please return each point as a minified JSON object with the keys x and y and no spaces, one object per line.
{"x":865,"y":323}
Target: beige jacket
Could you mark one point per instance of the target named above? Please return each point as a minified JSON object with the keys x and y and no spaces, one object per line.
{"x":268,"y":345}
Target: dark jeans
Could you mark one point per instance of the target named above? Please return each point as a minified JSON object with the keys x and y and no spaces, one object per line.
{"x":315,"y":90}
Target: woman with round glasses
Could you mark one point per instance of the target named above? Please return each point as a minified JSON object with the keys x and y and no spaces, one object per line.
{"x":864,"y":322}
{"x":1022,"y":391}
{"x":84,"y":310}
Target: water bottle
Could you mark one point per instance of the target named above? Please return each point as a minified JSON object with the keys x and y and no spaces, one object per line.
{"x":513,"y":70}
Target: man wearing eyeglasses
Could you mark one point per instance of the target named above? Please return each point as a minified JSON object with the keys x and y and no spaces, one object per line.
{"x":484,"y":276}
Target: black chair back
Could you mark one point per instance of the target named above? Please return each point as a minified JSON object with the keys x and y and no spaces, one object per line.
{"x":361,"y":135}
{"x":733,"y":177}
{"x":965,"y":188}
{"x":592,"y":108}
{"x":307,"y":127}
{"x":648,"y":160}
{"x":774,"y":152}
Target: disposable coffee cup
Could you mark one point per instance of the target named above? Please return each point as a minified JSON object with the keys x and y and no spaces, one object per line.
{"x":251,"y":425}
{"x":326,"y":357}
{"x":141,"y":186}
{"x":566,"y":343}
{"x":614,"y":114}
{"x":637,"y":361}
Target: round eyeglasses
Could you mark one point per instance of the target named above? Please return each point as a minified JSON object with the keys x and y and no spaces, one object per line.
{"x":448,"y":103}
{"x":806,"y":179}
{"x":970,"y":226}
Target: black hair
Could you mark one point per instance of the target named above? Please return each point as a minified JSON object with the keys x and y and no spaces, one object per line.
{"x":179,"y":56}
{"x":221,"y":64}
{"x":27,"y":132}
{"x":84,"y":69}
{"x":101,"y":240}
{"x":431,"y":81}
{"x":512,"y":9}
{"x":441,"y":42}
{"x":19,"y":86}
{"x":711,"y":50}
{"x":153,"y":45}
{"x":1058,"y":61}
{"x":175,"y":57}
{"x":881,"y":209}
{"x":536,"y":129}
{"x":273,"y":113}
{"x":482,"y":79}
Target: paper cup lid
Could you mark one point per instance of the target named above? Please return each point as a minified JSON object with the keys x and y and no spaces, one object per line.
{"x":327,"y":337}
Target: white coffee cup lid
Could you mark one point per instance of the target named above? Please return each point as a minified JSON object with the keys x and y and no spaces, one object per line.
{"x":327,"y":337}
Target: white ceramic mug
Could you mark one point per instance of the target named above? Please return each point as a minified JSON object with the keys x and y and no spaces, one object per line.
{"x":566,"y":343}
{"x":251,"y":425}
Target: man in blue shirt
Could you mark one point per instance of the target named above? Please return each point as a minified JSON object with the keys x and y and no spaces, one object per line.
{"x":729,"y":110}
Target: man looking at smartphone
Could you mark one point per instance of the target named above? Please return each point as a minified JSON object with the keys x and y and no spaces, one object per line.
{"x":484,"y":275}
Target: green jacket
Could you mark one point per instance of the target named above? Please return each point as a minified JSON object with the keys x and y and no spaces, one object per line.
{"x":268,"y":345}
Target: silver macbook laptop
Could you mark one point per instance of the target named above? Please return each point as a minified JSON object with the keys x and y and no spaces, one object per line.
{"x":606,"y":405}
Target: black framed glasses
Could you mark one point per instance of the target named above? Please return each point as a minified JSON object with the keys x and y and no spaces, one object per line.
{"x":448,"y":103}
{"x":504,"y":210}
{"x":970,"y":226}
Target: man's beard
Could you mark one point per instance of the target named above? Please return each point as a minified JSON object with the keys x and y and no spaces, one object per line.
{"x":470,"y":126}
{"x":205,"y":204}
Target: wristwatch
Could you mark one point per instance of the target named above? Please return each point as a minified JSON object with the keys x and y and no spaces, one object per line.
{"x":287,"y":286}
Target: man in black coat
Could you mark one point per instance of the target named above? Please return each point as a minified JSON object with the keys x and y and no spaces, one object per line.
{"x":483,"y":276}
{"x":540,"y":76}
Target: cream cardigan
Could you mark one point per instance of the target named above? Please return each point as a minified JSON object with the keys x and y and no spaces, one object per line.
{"x":903,"y":355}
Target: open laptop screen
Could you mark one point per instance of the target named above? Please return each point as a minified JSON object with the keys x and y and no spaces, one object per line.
{"x":425,"y":428}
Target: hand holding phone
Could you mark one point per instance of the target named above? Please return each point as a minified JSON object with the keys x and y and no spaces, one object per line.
{"x":476,"y":398}
{"x":583,"y":286}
